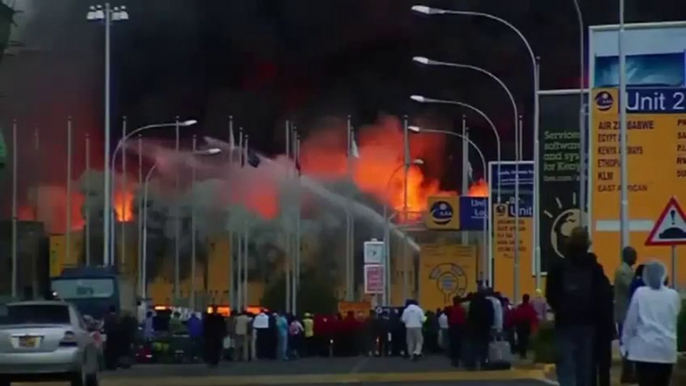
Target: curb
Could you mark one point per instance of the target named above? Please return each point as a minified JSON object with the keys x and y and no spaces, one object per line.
{"x":234,"y":380}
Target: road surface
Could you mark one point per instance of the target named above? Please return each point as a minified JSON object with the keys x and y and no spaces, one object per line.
{"x":430,"y":371}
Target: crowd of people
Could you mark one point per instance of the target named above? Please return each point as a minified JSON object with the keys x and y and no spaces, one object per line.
{"x":478,"y":331}
{"x":640,"y":310}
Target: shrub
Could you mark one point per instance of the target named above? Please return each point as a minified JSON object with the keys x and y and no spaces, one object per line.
{"x":544,"y":343}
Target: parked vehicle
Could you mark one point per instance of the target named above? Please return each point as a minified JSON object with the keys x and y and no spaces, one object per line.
{"x":46,"y":341}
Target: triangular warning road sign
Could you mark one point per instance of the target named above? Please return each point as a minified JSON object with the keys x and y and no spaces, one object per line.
{"x":670,"y":228}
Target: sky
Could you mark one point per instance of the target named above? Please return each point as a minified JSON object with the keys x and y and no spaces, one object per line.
{"x":265,"y":61}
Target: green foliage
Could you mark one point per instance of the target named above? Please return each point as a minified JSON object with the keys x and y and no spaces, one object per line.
{"x":316,"y":294}
{"x":544,"y":343}
{"x":681,"y":328}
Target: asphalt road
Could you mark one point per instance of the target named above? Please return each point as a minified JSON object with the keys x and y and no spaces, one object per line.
{"x":430,"y":371}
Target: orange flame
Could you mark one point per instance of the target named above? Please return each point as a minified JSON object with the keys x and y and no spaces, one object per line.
{"x":122,"y":205}
{"x":379,"y":170}
{"x":478,"y":189}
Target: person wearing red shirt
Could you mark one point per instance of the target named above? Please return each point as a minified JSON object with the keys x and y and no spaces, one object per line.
{"x":457,"y":317}
{"x":526,"y":322}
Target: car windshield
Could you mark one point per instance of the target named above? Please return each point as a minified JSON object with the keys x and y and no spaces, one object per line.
{"x":34,"y":314}
{"x":83,"y":288}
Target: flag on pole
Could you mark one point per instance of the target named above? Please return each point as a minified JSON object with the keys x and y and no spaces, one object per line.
{"x":470,"y":171}
{"x":354,"y":151}
{"x":232,"y":141}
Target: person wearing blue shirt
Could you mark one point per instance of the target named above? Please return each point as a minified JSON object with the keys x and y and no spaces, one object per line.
{"x":282,"y":331}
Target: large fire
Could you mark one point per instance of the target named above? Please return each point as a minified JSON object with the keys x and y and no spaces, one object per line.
{"x":379,"y":168}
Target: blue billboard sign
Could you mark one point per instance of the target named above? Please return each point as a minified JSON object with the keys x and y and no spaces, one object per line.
{"x":504,"y":175}
{"x":473,"y":213}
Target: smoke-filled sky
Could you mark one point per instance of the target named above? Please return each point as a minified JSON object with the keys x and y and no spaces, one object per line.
{"x":264,"y":61}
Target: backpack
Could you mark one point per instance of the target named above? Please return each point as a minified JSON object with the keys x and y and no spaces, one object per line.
{"x":577,"y":288}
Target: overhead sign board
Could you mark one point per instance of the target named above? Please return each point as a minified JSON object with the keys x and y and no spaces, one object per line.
{"x":444,"y":213}
{"x":670,"y":228}
{"x":374,"y":252}
{"x":473,"y":213}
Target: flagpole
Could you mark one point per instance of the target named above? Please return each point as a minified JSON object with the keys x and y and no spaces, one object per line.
{"x":349,"y":278}
{"x":232,"y":246}
{"x":177,"y":220}
{"x":69,"y":164}
{"x":34,"y":256}
{"x":194,"y":231}
{"x":140,"y":212}
{"x":87,"y":200}
{"x":298,"y":226}
{"x":246,"y":246}
{"x":239,"y":236}
{"x":406,"y":139}
{"x":465,"y":167}
{"x":15,"y":238}
{"x":123,"y":207}
{"x":287,"y":234}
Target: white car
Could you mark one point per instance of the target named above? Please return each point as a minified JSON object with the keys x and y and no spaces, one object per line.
{"x":46,"y":341}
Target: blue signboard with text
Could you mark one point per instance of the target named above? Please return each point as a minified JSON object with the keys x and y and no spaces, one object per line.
{"x":473,"y":213}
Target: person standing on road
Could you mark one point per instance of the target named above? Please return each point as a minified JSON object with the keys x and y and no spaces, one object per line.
{"x":540,"y":306}
{"x":526,"y":322}
{"x":215,"y":331}
{"x":260,"y":327}
{"x":241,"y":336}
{"x":282,"y":331}
{"x":308,"y":325}
{"x":195,"y":332}
{"x":624,"y":276}
{"x":443,"y":330}
{"x":112,"y":333}
{"x":606,"y":332}
{"x":413,"y":318}
{"x":480,"y":319}
{"x":457,"y":318}
{"x":572,"y":291}
{"x":649,"y":335}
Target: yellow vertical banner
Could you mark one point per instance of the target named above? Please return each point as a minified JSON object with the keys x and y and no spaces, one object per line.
{"x":504,"y":221}
{"x":57,"y":253}
{"x":445,"y":270}
{"x":219,"y":264}
{"x":444,"y":213}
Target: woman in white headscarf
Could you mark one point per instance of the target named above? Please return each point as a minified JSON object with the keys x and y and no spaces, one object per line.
{"x":650,"y":330}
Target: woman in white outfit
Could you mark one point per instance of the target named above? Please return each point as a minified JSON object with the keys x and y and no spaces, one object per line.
{"x":650,"y":330}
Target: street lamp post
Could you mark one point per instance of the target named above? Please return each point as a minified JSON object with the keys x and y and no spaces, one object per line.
{"x":436,"y":11}
{"x":108,"y":193}
{"x":387,"y":235}
{"x":143,"y":272}
{"x":423,"y":99}
{"x":108,"y":15}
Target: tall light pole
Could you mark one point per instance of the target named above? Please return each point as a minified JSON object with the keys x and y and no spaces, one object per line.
{"x":387,"y":234}
{"x":582,"y":116}
{"x":108,"y":15}
{"x":466,"y":139}
{"x":623,"y":135}
{"x":109,"y":170}
{"x":436,"y":11}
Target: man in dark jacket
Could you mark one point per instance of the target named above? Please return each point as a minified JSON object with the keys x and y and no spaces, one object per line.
{"x":479,"y":323}
{"x":572,"y":292}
